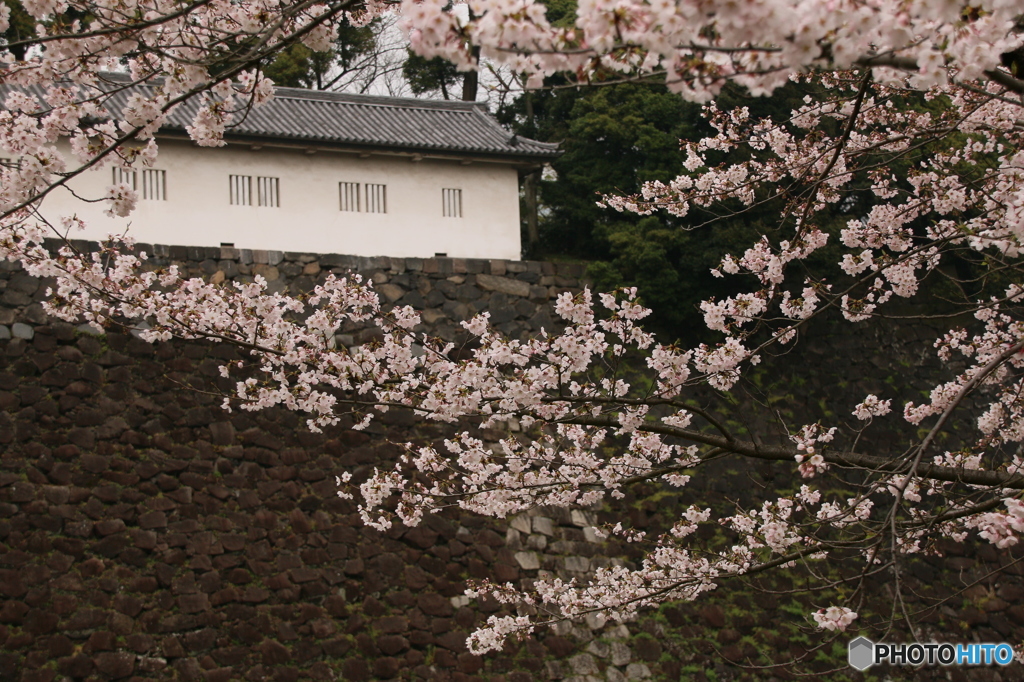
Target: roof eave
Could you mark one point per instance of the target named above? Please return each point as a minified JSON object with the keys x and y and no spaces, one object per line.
{"x":512,"y":158}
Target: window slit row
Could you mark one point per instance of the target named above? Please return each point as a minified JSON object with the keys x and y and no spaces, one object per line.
{"x":376,"y":198}
{"x":154,"y":182}
{"x":269,"y":194}
{"x":349,"y":196}
{"x":451,"y":202}
{"x":354,"y":197}
{"x":241,"y":190}
{"x":154,"y":185}
{"x":125,"y":176}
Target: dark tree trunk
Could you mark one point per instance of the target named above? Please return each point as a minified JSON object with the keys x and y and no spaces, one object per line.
{"x":530,"y":192}
{"x":471,"y":80}
{"x":530,"y":188}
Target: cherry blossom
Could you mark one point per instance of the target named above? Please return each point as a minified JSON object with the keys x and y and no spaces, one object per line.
{"x":588,"y":431}
{"x":872,"y":407}
{"x":834,"y":618}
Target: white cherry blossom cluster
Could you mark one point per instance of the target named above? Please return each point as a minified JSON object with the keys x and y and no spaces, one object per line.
{"x":590,"y":430}
{"x":871,"y":407}
{"x":1002,"y":529}
{"x":834,"y":618}
{"x":809,"y":455}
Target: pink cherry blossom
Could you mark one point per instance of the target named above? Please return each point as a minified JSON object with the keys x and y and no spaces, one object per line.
{"x":589,"y":431}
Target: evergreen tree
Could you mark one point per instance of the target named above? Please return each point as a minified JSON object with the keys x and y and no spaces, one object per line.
{"x":22,"y":28}
{"x":430,"y":76}
{"x":298,"y":66}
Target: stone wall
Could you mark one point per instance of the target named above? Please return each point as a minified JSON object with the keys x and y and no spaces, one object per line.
{"x":517,"y":294}
{"x":146,"y":534}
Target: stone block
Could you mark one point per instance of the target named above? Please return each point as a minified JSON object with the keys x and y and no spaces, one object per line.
{"x":434,"y":604}
{"x":637,"y":671}
{"x":304,"y":575}
{"x":194,"y":603}
{"x":504,"y":285}
{"x":582,"y":519}
{"x":391,"y":645}
{"x":14,"y":298}
{"x":513,"y":539}
{"x":78,"y":666}
{"x":537,"y":542}
{"x":559,"y":646}
{"x":267,"y":272}
{"x":20,"y":330}
{"x":273,"y":652}
{"x":39,"y":623}
{"x":614,"y":675}
{"x":115,"y":664}
{"x":390,"y":292}
{"x":453,"y":640}
{"x":109,"y":527}
{"x":151,"y":664}
{"x":543,"y":525}
{"x":529,"y":561}
{"x":584,"y":664}
{"x":222,"y":433}
{"x":421,"y":537}
{"x":621,"y":654}
{"x":154,"y":519}
{"x":392,"y":625}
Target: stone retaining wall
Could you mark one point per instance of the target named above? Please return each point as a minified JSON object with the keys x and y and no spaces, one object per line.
{"x":146,"y":534}
{"x":446,"y":290}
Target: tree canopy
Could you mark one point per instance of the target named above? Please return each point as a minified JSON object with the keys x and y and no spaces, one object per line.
{"x":427,"y":76}
{"x":298,"y":66}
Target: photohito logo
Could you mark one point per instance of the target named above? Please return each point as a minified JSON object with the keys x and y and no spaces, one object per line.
{"x":863,"y":653}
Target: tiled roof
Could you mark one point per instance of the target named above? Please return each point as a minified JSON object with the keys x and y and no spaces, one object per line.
{"x":338,"y":119}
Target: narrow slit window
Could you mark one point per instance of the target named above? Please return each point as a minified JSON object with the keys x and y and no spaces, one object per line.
{"x":241,"y":190}
{"x":124,"y":175}
{"x":376,"y":198}
{"x":154,"y":185}
{"x":268,"y":192}
{"x":451,"y":200}
{"x":348,"y":195}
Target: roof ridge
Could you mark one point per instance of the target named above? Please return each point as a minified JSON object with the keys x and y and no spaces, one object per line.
{"x":281,"y":92}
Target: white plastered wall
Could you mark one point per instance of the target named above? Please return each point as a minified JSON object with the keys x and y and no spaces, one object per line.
{"x":197,"y":211}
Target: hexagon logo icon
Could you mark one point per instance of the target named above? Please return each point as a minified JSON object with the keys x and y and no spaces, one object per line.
{"x":861,"y":653}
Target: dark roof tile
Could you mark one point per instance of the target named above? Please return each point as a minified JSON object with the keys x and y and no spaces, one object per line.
{"x":331,"y":118}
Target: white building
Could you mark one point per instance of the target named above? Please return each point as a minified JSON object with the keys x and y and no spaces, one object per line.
{"x":327,"y":173}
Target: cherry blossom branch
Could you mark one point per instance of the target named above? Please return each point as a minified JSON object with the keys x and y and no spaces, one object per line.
{"x":852,"y":460}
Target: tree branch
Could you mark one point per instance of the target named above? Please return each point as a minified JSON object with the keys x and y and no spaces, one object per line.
{"x":844,"y":459}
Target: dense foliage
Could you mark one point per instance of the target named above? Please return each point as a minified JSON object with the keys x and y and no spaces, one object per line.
{"x":299,"y":66}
